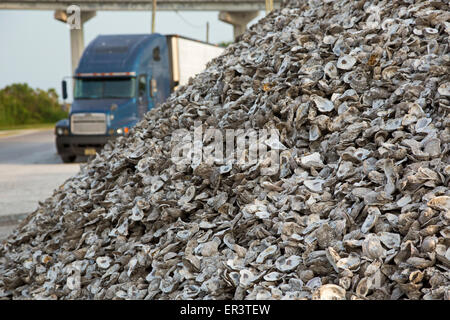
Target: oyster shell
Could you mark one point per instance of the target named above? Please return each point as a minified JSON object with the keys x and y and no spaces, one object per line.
{"x":323,"y":104}
{"x":345,"y":62}
{"x":329,"y":292}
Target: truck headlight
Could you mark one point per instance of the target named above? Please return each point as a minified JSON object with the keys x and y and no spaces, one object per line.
{"x":123,"y":131}
{"x":62,"y":131}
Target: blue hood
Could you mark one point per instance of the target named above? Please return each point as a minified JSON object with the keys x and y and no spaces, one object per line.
{"x":97,"y":105}
{"x":123,"y":110}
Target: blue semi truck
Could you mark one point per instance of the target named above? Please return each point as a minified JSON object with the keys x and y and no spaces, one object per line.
{"x":121,"y":77}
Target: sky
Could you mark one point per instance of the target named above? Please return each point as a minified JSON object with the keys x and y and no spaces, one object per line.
{"x":35,"y":48}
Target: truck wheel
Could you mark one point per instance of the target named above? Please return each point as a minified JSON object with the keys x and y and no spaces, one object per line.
{"x":68,"y":158}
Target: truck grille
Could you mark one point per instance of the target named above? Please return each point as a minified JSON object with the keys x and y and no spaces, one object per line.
{"x":88,"y":123}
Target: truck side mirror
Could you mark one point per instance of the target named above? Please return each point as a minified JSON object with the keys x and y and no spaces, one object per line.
{"x":64,"y":89}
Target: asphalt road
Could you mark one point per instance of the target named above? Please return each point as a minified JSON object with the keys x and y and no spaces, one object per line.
{"x":29,"y":147}
{"x":6,"y":229}
{"x":30,"y":170}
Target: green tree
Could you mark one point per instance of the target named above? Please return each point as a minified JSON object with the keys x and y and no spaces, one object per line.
{"x":224,"y":44}
{"x":21,"y":104}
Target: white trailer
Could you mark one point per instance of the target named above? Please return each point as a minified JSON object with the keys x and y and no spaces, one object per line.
{"x":189,"y":57}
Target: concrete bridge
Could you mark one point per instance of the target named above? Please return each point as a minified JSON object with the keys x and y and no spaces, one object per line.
{"x":235,"y":12}
{"x":97,"y":5}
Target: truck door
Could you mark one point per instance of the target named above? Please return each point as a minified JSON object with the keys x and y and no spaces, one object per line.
{"x":142,"y":95}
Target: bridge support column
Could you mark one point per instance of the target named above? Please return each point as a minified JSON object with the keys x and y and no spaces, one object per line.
{"x":238,"y":19}
{"x":76,"y":34}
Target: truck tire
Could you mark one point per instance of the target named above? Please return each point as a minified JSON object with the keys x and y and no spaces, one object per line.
{"x":68,"y":158}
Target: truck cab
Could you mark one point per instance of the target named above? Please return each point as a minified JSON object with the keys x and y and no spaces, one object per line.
{"x":119,"y":79}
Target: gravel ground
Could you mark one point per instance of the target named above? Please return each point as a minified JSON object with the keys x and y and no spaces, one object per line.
{"x":30,"y":169}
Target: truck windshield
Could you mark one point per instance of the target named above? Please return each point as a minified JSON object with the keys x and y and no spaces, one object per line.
{"x":104,"y":88}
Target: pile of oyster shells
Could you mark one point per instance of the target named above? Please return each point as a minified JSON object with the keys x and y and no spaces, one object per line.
{"x":360,"y":208}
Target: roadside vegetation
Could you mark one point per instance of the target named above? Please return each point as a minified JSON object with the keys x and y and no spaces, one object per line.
{"x":23,"y":106}
{"x":224,"y":44}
